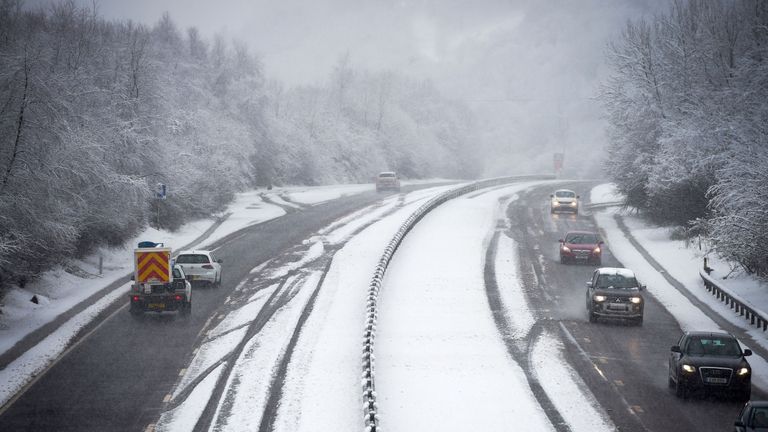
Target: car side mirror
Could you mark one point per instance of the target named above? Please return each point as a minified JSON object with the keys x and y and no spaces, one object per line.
{"x":133,"y":277}
{"x":561,"y":241}
{"x":601,"y":242}
{"x":551,"y":196}
{"x":589,"y":284}
{"x":739,"y":423}
{"x":642,"y":287}
{"x":675,"y":348}
{"x":220,"y":261}
{"x":189,"y":278}
{"x":577,"y":196}
{"x":747,"y":352}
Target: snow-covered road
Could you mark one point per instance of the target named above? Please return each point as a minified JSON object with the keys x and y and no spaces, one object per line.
{"x":441,"y":360}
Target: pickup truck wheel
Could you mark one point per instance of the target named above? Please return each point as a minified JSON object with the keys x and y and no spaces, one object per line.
{"x":592,"y":317}
{"x":135,"y":309}
{"x":186,"y":309}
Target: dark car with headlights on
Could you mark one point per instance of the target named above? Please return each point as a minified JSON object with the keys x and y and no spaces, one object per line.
{"x":581,"y":246}
{"x":753,"y":417}
{"x":710,"y":362}
{"x":615,"y":293}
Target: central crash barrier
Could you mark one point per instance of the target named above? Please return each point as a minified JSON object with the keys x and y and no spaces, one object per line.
{"x":370,"y":406}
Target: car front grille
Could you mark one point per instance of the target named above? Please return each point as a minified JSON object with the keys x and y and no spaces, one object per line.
{"x":711,"y":375}
{"x":582,"y":253}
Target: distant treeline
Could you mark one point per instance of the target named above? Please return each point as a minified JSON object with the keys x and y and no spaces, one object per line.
{"x":688,"y":107}
{"x":95,"y":113}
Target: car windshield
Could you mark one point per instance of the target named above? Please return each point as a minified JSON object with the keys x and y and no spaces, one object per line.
{"x":565,"y":194}
{"x":192,"y":259}
{"x":616,"y":281}
{"x":581,"y":238}
{"x":713,"y":346}
{"x":760,"y":417}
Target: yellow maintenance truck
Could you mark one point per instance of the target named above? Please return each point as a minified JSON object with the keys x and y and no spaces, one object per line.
{"x":158,"y":284}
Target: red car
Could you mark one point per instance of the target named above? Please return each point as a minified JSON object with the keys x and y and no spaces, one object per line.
{"x":581,"y":246}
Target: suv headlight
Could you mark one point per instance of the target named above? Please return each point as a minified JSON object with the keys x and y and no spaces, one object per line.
{"x":596,"y":250}
{"x":566,"y":249}
{"x":599,"y":298}
{"x":689,"y":368}
{"x":636,"y":300}
{"x":573,"y":203}
{"x":742,"y":371}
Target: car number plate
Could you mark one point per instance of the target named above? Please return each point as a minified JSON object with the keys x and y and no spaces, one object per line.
{"x":717,"y":380}
{"x":157,"y":305}
{"x":617,"y":307}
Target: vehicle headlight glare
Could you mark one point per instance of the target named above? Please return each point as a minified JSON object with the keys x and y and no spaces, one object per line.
{"x":573,"y":203}
{"x":636,"y":300}
{"x":743,"y":371}
{"x":597,"y":250}
{"x":566,"y":249}
{"x":689,"y":368}
{"x":599,"y":298}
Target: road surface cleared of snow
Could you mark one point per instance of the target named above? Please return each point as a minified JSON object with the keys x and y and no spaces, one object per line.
{"x":688,"y":316}
{"x":441,"y":362}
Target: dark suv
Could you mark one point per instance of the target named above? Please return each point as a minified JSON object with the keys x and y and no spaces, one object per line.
{"x":712,"y":362}
{"x":615,"y":293}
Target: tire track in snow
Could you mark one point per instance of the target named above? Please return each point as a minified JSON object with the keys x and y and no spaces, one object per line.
{"x":281,"y":296}
{"x":520,"y":354}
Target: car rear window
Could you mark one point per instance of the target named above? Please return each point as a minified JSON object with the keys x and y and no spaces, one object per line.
{"x":176,"y":273}
{"x":713,"y":346}
{"x":565,"y":194}
{"x":385,"y":175}
{"x":581,"y":238}
{"x":192,"y":259}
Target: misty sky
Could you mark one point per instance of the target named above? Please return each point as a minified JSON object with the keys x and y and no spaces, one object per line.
{"x":524,"y":66}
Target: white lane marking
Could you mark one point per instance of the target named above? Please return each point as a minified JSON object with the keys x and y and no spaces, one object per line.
{"x":584,"y":354}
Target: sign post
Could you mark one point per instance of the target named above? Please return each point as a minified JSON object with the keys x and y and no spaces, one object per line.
{"x":558,"y":159}
{"x":160,"y":193}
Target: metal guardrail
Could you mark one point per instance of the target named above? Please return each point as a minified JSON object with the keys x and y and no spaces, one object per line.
{"x":370,"y":406}
{"x":736,"y":303}
{"x":603,"y":205}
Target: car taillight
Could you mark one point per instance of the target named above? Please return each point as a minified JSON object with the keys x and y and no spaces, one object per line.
{"x":178,"y":298}
{"x":208,"y":267}
{"x":135,"y":298}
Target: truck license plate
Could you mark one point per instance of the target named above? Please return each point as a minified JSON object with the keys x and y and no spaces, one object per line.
{"x":717,"y":380}
{"x":617,"y":307}
{"x":157,"y":305}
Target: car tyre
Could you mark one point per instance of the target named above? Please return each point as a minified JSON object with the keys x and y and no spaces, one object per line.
{"x":592,"y":317}
{"x":218,"y":282}
{"x":680,"y":389}
{"x":745,"y":395}
{"x":563,"y":260}
{"x":638,"y":321}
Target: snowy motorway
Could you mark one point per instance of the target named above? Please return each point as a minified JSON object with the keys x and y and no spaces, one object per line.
{"x":479,"y":328}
